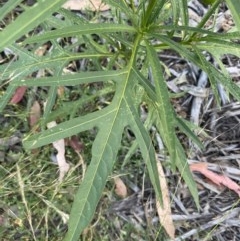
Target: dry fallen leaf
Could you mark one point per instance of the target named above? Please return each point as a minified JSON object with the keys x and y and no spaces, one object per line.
{"x":2,"y":220}
{"x":164,"y":213}
{"x":94,"y":5}
{"x":60,"y":147}
{"x":40,"y":51}
{"x":35,"y":114}
{"x":77,"y":146}
{"x":218,"y":179}
{"x":60,"y":91}
{"x":74,"y":142}
{"x":120,"y":187}
{"x":18,"y":95}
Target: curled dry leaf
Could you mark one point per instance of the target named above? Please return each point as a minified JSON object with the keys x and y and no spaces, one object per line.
{"x":61,"y":160}
{"x":218,"y":179}
{"x":165,"y":213}
{"x":18,"y":95}
{"x":120,"y":187}
{"x":94,"y":5}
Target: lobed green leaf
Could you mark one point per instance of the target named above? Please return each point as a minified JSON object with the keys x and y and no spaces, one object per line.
{"x":73,"y":79}
{"x":76,"y":30}
{"x":164,"y":108}
{"x":104,"y":152}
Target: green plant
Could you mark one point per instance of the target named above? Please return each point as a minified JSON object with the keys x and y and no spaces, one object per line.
{"x":143,"y":30}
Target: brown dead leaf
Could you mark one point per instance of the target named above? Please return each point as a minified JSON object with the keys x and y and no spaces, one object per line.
{"x":93,"y":5}
{"x":74,"y":142}
{"x":218,"y":179}
{"x":61,"y":160}
{"x":164,"y":213}
{"x":2,"y":220}
{"x":120,"y":187}
{"x":77,"y":146}
{"x":35,"y":114}
{"x":60,"y":91}
{"x":41,"y":50}
{"x":19,"y":93}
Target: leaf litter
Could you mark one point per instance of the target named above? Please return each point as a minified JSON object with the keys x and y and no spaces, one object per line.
{"x":218,"y":179}
{"x":93,"y":5}
{"x":60,"y":157}
{"x":164,"y":211}
{"x":120,"y":187}
{"x":218,"y":164}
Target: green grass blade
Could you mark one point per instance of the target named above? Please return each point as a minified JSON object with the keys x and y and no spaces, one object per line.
{"x":4,"y":100}
{"x":175,"y":11}
{"x":28,"y":20}
{"x":183,"y":5}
